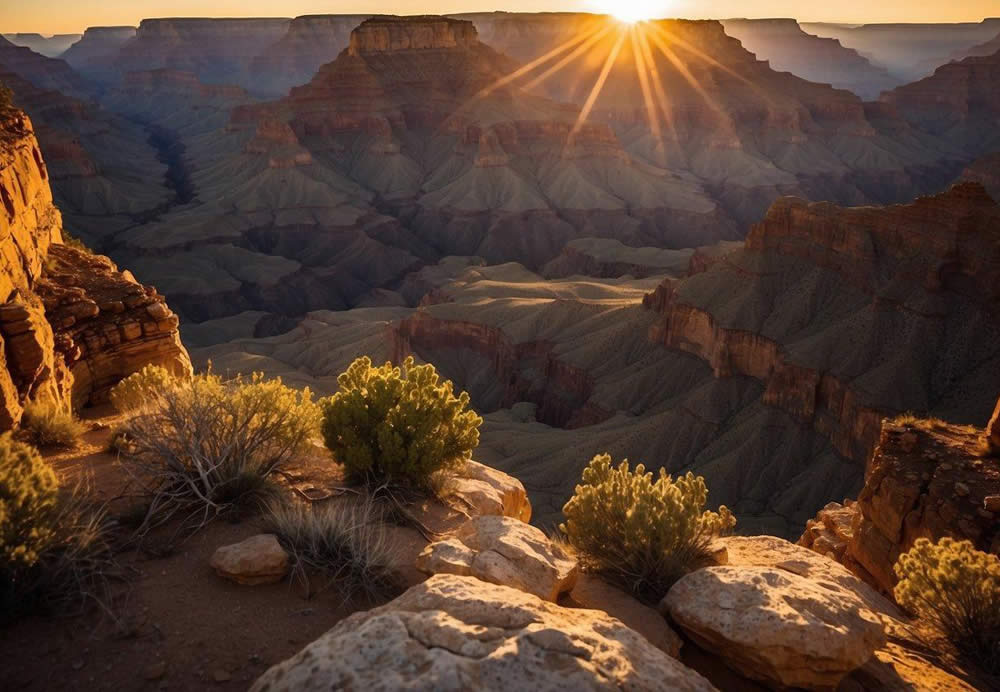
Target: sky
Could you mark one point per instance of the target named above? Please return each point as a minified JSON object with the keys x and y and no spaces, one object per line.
{"x":73,"y":16}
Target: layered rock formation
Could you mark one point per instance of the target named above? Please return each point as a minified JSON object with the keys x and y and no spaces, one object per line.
{"x":787,"y":48}
{"x":959,"y":100}
{"x":310,"y":42}
{"x":45,"y":73}
{"x":95,"y":53}
{"x":71,"y":325}
{"x":926,"y":479}
{"x":218,"y":51}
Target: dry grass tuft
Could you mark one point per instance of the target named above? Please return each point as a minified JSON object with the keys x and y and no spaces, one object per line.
{"x":342,"y":542}
{"x":50,"y":424}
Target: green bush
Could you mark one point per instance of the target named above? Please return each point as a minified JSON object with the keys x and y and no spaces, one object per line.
{"x":54,"y":553}
{"x":51,"y":424}
{"x":398,"y":425}
{"x":641,"y":533}
{"x":28,"y":494}
{"x":956,"y":589}
{"x":209,"y":445}
{"x":141,"y":389}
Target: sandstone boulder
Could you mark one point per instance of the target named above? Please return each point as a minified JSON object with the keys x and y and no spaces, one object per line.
{"x":593,"y":592}
{"x":775,"y":626}
{"x":486,"y":491}
{"x":459,"y":633}
{"x":257,"y":560}
{"x":771,"y":551}
{"x":504,"y":551}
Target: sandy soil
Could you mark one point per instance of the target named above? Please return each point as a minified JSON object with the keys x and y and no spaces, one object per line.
{"x":180,"y":626}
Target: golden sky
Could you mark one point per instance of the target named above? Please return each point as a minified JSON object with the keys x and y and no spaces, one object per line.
{"x":71,"y":16}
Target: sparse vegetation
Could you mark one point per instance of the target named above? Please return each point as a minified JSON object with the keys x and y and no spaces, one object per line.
{"x":208,"y":446}
{"x":398,"y":426}
{"x":142,"y":389}
{"x":956,"y":590}
{"x":11,"y":127}
{"x":642,"y":534}
{"x":51,"y":424}
{"x":54,"y":552}
{"x":343,"y":543}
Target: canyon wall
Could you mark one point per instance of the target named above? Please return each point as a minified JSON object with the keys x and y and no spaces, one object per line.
{"x":71,"y":324}
{"x":915,"y":267}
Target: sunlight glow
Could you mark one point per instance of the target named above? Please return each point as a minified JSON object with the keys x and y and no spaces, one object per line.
{"x":632,"y":11}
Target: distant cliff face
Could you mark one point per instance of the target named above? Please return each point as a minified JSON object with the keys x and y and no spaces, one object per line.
{"x":71,"y":325}
{"x":94,"y":54}
{"x":849,"y":315}
{"x":784,"y":44}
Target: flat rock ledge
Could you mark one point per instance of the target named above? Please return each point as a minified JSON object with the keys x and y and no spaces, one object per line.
{"x":504,"y":551}
{"x":454,"y":633}
{"x":775,"y":626}
{"x":257,"y":560}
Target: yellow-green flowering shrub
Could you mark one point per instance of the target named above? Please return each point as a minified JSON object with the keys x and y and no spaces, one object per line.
{"x":141,"y":388}
{"x":956,"y":589}
{"x":391,"y":424}
{"x":214,"y":443}
{"x":28,"y":495}
{"x":643,"y":533}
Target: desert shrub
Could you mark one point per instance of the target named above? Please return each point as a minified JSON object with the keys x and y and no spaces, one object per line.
{"x":51,"y":424}
{"x":54,"y":552}
{"x":28,"y":494}
{"x":207,"y":446}
{"x":956,"y":589}
{"x":343,"y":543}
{"x":641,"y":533}
{"x":141,"y":389}
{"x":391,"y":425}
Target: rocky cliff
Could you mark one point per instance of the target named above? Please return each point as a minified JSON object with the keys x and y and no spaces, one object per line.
{"x":788,"y":48}
{"x":310,"y":42}
{"x":925,"y":479}
{"x":70,"y":323}
{"x":95,"y":53}
{"x":960,"y":100}
{"x":823,"y":357}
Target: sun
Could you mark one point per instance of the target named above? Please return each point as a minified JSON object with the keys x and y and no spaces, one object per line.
{"x":632,"y":11}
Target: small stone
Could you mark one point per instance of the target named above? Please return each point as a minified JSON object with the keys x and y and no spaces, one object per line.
{"x":991,"y":503}
{"x":257,"y":560}
{"x":158,"y":311}
{"x":155,"y":671}
{"x":961,"y":489}
{"x":221,"y":675}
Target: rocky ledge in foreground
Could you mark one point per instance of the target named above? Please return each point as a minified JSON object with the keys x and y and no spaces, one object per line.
{"x":926,"y":479}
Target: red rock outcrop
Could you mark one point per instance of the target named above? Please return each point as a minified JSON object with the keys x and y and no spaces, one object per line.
{"x":71,"y":325}
{"x":926,"y":479}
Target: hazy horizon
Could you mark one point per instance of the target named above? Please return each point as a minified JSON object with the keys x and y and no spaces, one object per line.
{"x":69,"y":17}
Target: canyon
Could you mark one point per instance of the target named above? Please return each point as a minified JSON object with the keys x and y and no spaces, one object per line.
{"x":306,"y":190}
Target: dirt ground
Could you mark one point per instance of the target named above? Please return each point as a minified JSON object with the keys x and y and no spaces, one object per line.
{"x":180,"y":627}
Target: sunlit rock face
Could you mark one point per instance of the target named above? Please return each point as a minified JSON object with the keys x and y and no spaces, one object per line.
{"x":787,"y":48}
{"x":71,"y":324}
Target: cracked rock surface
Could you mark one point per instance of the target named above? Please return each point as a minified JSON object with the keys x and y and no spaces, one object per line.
{"x":459,"y":633}
{"x":772,"y":625}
